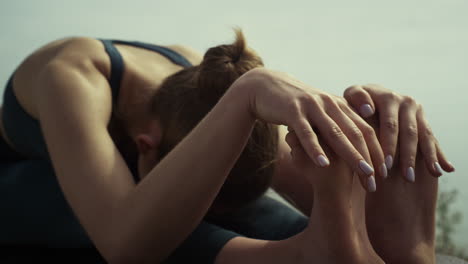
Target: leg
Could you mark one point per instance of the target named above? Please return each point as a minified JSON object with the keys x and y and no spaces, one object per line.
{"x":336,"y":232}
{"x":401,"y":217}
{"x":265,"y":218}
{"x":34,"y":210}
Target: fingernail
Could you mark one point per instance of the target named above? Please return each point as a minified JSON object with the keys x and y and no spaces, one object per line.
{"x":323,"y":161}
{"x":366,"y":110}
{"x":365,"y":167}
{"x":371,"y":186}
{"x":438,"y":168}
{"x":389,"y":161}
{"x":451,"y":165}
{"x":410,"y":174}
{"x":383,"y":170}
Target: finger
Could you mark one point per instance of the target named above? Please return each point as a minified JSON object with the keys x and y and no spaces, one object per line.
{"x":427,"y":144}
{"x":372,"y":141}
{"x":408,"y":138}
{"x":360,"y":100}
{"x":309,"y":142}
{"x":339,"y":142}
{"x":443,"y":161}
{"x":389,"y":128}
{"x":388,"y":104}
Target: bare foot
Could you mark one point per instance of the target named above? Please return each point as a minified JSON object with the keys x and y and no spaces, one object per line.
{"x":336,"y":232}
{"x":401,"y":217}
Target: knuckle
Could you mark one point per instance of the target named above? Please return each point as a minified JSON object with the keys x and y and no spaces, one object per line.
{"x":391,"y":125}
{"x":408,"y":100}
{"x":326,"y":98}
{"x":329,"y":101}
{"x":428,"y":132}
{"x":305,"y":101}
{"x":293,"y":108}
{"x":335,"y":132}
{"x":392,"y":96}
{"x":305,"y":98}
{"x":355,"y":133}
{"x":411,"y":131}
{"x":307,"y":132}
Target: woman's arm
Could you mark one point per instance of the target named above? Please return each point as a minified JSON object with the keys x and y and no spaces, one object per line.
{"x":131,"y":223}
{"x":144,"y":223}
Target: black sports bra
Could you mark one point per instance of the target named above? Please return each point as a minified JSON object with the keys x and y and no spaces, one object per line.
{"x":24,"y":131}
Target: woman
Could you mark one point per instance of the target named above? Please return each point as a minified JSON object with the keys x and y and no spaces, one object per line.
{"x":73,"y":106}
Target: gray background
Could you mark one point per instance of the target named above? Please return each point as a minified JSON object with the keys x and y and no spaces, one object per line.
{"x":415,"y":47}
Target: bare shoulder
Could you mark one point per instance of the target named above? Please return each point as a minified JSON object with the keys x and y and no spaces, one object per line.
{"x":81,"y":55}
{"x":193,"y":55}
{"x":73,"y":50}
{"x":84,"y":50}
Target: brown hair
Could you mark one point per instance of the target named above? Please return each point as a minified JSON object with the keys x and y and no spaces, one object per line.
{"x":185,"y":97}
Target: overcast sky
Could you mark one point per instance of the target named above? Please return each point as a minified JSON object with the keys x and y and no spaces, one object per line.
{"x":418,"y":48}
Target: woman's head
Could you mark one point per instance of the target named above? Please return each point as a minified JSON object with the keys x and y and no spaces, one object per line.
{"x":185,"y":97}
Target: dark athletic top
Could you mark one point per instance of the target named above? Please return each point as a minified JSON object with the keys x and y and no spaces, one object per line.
{"x":28,"y":166}
{"x":24,"y":131}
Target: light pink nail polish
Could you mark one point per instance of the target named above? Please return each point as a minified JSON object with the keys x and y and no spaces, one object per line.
{"x":366,"y":110}
{"x":389,"y":161}
{"x":410,"y":174}
{"x":365,"y":167}
{"x":383,"y":170}
{"x":451,"y":165}
{"x":323,"y":161}
{"x":438,"y":168}
{"x":371,"y":184}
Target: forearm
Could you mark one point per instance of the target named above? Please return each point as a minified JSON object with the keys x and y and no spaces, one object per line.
{"x":184,"y":184}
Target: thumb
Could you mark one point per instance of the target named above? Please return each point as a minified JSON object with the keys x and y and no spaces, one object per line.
{"x":360,"y":100}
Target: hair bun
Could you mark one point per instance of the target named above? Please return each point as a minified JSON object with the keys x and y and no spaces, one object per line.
{"x":222,"y":65}
{"x":187,"y":96}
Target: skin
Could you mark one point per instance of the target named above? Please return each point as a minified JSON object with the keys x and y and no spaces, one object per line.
{"x":400,"y":119}
{"x":116,"y":213}
{"x":404,"y":232}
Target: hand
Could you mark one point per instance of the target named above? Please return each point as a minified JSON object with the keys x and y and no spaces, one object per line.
{"x":280,"y":99}
{"x":401,"y":119}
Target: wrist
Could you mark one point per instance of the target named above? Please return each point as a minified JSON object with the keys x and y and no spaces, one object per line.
{"x":243,"y":94}
{"x":247,"y":86}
